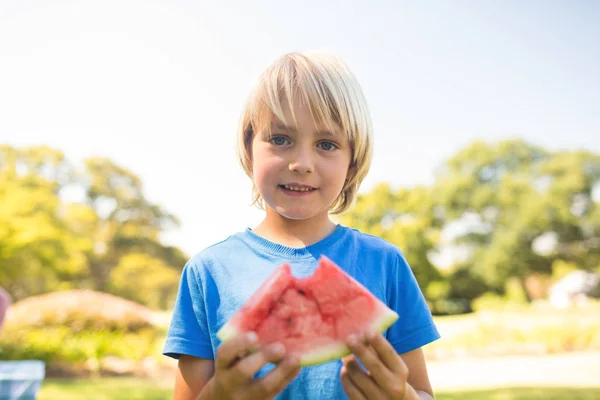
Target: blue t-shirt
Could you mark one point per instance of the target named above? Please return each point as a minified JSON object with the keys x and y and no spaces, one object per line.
{"x":217,"y":282}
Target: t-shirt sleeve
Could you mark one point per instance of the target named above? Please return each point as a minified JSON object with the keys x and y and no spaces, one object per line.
{"x":415,"y":327}
{"x":188,"y":333}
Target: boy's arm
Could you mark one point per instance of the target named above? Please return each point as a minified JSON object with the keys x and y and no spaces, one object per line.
{"x":193,"y":375}
{"x":418,"y":378}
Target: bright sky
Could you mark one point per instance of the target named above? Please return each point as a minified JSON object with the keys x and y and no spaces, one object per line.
{"x":158,"y":86}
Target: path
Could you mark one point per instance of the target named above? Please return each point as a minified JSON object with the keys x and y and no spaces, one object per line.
{"x":566,"y":370}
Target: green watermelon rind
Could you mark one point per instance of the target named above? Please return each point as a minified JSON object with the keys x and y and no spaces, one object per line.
{"x":327,"y":353}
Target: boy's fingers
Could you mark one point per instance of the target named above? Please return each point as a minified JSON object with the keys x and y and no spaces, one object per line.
{"x":229,"y":351}
{"x":370,"y":359}
{"x":276,"y":380}
{"x":350,"y":388}
{"x":385,"y":351}
{"x":364,"y":382}
{"x":248,"y":366}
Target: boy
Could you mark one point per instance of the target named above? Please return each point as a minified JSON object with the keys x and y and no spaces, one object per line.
{"x":305,"y":141}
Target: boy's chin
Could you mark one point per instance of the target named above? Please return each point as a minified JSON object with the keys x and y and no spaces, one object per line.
{"x":297,"y":214}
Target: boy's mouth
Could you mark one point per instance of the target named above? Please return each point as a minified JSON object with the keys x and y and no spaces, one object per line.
{"x":297,"y":187}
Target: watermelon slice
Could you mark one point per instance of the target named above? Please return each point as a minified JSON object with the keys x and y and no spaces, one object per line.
{"x":313,"y":316}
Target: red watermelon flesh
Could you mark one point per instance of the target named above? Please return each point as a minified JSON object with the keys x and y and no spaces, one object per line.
{"x":313,"y":316}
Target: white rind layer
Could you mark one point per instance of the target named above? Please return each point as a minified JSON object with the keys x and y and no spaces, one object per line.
{"x":339,"y":349}
{"x":227,"y":332}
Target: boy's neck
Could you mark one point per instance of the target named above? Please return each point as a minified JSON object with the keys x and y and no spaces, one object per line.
{"x":294,"y":233}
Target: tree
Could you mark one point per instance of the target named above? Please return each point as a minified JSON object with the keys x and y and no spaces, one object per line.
{"x":514,"y":209}
{"x":521,"y":208}
{"x":37,"y":250}
{"x":50,"y":240}
{"x":126,"y":222}
{"x":406,"y":219}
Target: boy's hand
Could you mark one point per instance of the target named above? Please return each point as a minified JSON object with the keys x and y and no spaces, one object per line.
{"x":235,"y":370}
{"x":386,"y":371}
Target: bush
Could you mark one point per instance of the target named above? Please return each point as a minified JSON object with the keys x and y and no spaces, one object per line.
{"x":79,"y":310}
{"x":82,"y":352}
{"x":450,"y":306}
{"x":59,"y":344}
{"x":75,"y":331}
{"x":494,"y":302}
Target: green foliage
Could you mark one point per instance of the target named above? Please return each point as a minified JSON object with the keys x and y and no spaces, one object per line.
{"x":464,"y":284}
{"x":78,"y":329}
{"x":438,"y":290}
{"x":154,"y":281}
{"x":405,"y":218}
{"x":454,"y":292}
{"x":61,"y":346}
{"x":561,"y":268}
{"x":63,"y":227}
{"x":517,"y":194}
{"x":514,"y":291}
{"x":512,"y":208}
{"x":37,"y":249}
{"x":441,"y":302}
{"x":495,"y":302}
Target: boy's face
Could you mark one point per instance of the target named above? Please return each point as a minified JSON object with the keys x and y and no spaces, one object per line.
{"x":300,"y":170}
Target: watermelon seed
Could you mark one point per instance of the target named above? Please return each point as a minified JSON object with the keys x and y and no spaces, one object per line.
{"x":301,"y":292}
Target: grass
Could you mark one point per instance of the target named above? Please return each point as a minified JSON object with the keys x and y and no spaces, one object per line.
{"x":104,"y":389}
{"x":134,"y":389}
{"x":532,"y":330}
{"x":546,"y":393}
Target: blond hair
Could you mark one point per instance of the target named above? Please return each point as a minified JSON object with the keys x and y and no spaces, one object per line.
{"x":331,"y":91}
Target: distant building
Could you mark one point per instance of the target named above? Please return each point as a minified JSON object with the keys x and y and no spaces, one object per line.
{"x":575,"y":289}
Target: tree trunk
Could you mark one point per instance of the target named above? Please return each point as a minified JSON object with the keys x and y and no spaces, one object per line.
{"x":523,"y":281}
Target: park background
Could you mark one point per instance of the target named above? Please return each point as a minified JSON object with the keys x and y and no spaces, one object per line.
{"x":117,"y":163}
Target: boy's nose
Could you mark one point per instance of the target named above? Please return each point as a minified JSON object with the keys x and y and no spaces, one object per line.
{"x":302,"y":162}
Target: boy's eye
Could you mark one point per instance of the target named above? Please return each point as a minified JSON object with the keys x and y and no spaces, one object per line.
{"x":327,"y":146}
{"x":279,"y":140}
